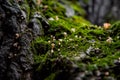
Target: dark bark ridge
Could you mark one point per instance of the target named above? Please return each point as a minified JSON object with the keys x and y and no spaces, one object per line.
{"x":15,"y":39}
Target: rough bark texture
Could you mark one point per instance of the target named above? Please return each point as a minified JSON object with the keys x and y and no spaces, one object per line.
{"x":16,"y":35}
{"x":15,"y":38}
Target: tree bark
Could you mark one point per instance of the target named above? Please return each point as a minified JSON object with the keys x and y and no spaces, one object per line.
{"x":15,"y":38}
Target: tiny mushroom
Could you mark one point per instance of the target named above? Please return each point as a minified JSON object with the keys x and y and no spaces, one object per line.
{"x":106,"y":25}
{"x":65,"y":34}
{"x":109,"y":40}
{"x":17,"y":35}
{"x":53,"y":45}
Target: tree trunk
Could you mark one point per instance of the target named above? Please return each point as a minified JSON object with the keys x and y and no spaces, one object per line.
{"x":15,"y":38}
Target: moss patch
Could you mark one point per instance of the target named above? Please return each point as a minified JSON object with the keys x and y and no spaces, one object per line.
{"x":75,"y":40}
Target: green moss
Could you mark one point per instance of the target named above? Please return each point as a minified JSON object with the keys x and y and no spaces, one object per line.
{"x":51,"y":77}
{"x":74,"y":43}
{"x":40,"y":46}
{"x":115,"y":28}
{"x":72,"y":37}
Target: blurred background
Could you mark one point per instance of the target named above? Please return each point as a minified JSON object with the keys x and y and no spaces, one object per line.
{"x":100,"y":11}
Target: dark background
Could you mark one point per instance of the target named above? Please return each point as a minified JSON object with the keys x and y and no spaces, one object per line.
{"x":100,"y":11}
